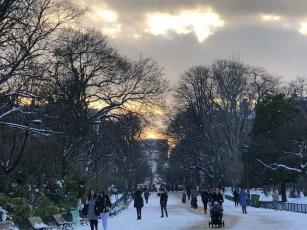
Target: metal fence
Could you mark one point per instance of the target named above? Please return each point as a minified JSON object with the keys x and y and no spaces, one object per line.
{"x":302,"y":208}
{"x":291,"y":207}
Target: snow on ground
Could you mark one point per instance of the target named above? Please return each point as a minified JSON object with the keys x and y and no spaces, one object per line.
{"x":178,"y":218}
{"x":182,"y":217}
{"x":263,"y":197}
{"x":257,"y":218}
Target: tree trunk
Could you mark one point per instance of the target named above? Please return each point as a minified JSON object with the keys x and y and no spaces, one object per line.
{"x":283,"y":192}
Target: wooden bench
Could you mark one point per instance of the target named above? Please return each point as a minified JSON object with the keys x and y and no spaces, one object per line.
{"x":38,"y":224}
{"x":7,"y":225}
{"x":62,"y":223}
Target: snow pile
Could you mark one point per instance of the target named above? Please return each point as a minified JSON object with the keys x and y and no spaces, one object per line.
{"x":4,"y":216}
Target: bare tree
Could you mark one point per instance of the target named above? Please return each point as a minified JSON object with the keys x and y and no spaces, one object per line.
{"x":94,"y":82}
{"x":26,"y":30}
{"x":221,"y":99}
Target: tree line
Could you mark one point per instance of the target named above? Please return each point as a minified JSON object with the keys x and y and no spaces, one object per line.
{"x":70,"y":105}
{"x":238,"y":125}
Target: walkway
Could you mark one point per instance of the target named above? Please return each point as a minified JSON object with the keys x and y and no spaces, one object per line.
{"x":182,"y":217}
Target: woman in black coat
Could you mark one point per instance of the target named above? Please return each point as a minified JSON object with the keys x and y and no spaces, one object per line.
{"x":205,"y":199}
{"x":103,"y":204}
{"x":138,"y":204}
{"x":163,"y":203}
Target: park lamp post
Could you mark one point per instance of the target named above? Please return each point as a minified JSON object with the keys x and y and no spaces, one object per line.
{"x":245,"y":150}
{"x":96,"y":126}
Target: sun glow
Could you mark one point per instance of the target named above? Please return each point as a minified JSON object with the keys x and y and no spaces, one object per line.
{"x":151,"y":133}
{"x":201,"y":22}
{"x":303,"y":28}
{"x":270,"y":17}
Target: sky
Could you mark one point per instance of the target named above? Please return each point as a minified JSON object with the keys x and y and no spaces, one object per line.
{"x":179,"y":34}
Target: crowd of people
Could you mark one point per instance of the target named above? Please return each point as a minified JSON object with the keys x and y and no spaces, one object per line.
{"x":100,"y":206}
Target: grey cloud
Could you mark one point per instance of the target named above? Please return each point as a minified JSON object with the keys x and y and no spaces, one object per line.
{"x":228,"y":8}
{"x":280,"y":50}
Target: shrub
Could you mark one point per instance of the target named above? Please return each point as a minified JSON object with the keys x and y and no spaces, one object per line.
{"x":44,"y":207}
{"x":17,"y":207}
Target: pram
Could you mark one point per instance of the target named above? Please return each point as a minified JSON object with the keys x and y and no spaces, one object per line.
{"x":216,"y":213}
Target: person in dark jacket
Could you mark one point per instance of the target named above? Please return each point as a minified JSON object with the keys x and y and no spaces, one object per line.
{"x":184,"y":196}
{"x":236,"y":197}
{"x":92,"y":210}
{"x":146,"y":196}
{"x":163,"y":203}
{"x":217,"y":196}
{"x":205,"y":198}
{"x":189,"y":192}
{"x":103,"y":205}
{"x":138,"y":204}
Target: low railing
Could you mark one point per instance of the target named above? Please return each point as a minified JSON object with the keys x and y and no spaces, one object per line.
{"x":302,"y":208}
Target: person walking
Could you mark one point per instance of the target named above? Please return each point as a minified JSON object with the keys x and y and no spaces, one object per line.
{"x":104,"y":206}
{"x":189,"y":192}
{"x":138,"y":204}
{"x":163,"y":203}
{"x":236,"y":197}
{"x":184,"y":196}
{"x":194,"y":195}
{"x":275,"y":197}
{"x":243,"y":200}
{"x":92,"y":210}
{"x":146,"y":196}
{"x":204,"y":199}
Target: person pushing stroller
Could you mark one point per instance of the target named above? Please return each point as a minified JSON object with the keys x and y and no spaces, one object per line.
{"x":216,"y":214}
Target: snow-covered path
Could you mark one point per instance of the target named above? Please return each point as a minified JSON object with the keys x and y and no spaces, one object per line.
{"x":182,"y":217}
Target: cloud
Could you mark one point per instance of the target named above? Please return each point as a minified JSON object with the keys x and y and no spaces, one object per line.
{"x":102,"y":17}
{"x":201,"y":22}
{"x":265,"y":33}
{"x":103,"y":14}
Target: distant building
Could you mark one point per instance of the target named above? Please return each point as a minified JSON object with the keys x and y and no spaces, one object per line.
{"x":155,"y":151}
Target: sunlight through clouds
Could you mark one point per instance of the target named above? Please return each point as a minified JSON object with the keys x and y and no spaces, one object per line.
{"x":270,"y":17}
{"x":201,"y":22}
{"x":105,"y":15}
{"x":303,"y":28}
{"x":107,"y":19}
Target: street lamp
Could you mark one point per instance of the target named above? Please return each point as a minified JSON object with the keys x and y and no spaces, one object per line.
{"x":245,"y":150}
{"x":96,"y":126}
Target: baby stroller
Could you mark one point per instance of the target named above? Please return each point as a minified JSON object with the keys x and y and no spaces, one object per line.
{"x":216,"y":213}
